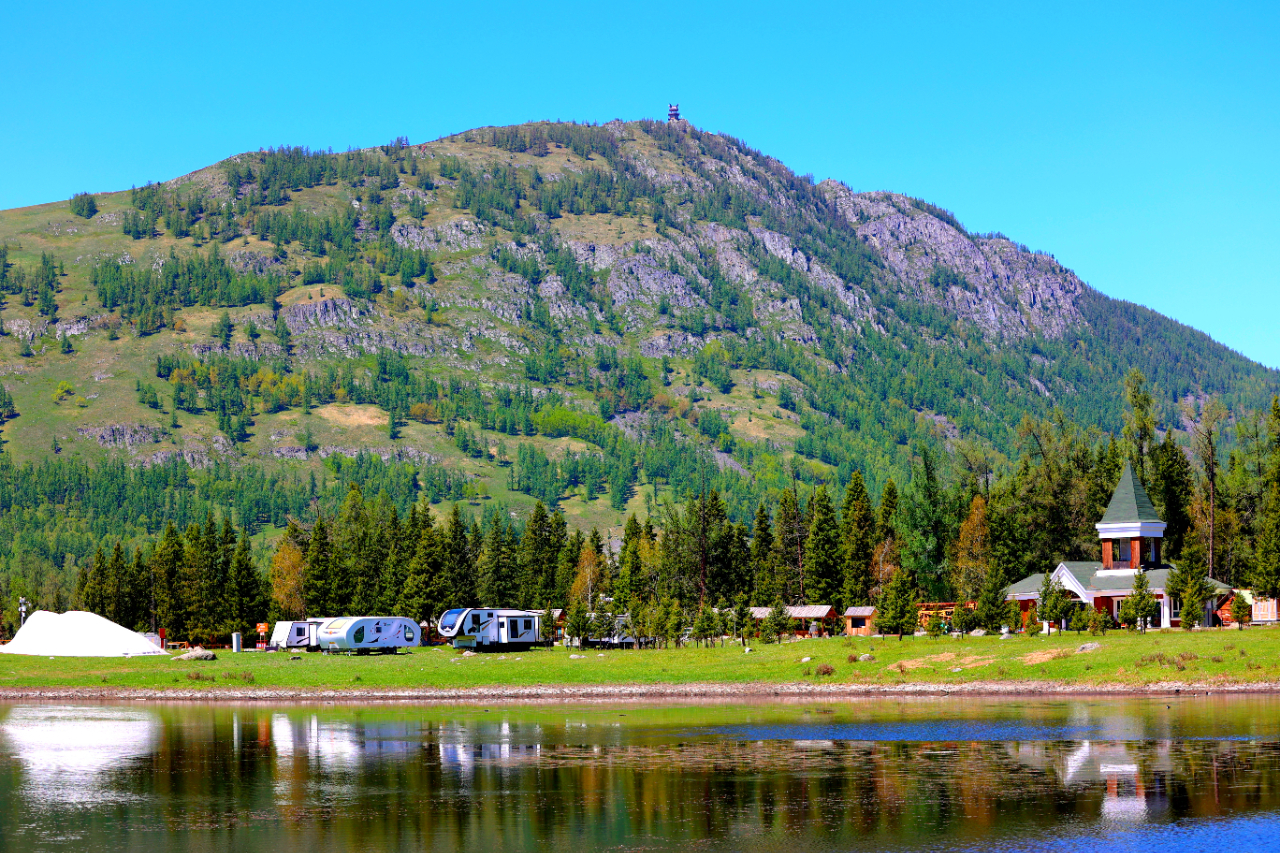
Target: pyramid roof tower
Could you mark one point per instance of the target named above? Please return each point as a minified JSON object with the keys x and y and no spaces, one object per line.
{"x":1129,"y":502}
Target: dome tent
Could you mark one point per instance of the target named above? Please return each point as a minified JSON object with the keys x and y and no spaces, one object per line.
{"x":77,"y":634}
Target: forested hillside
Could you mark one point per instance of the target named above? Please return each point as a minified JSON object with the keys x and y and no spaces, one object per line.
{"x":606,"y":319}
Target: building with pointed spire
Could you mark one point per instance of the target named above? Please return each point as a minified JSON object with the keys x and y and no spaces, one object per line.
{"x":1130,"y":533}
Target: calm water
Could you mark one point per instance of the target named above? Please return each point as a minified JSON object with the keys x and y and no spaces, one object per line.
{"x":945,"y":774}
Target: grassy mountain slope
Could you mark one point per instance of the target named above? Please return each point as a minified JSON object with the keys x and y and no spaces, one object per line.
{"x":590,"y":315}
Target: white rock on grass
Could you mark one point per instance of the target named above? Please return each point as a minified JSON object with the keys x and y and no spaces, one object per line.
{"x":577,"y":657}
{"x":805,"y":660}
{"x":1089,"y":647}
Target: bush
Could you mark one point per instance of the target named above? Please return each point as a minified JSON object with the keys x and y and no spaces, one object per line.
{"x":934,"y":627}
{"x":826,"y":669}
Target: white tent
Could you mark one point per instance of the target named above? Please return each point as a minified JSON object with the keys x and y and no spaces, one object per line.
{"x":77,"y":634}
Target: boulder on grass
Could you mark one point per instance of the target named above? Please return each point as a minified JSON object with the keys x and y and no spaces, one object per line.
{"x":198,"y":653}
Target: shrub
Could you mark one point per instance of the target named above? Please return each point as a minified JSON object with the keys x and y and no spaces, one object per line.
{"x":84,"y":205}
{"x":826,"y":669}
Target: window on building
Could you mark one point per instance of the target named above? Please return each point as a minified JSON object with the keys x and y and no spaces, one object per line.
{"x":1123,"y":550}
{"x":1175,"y":607}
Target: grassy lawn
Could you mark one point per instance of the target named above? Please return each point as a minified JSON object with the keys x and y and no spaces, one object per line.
{"x":1206,"y":658}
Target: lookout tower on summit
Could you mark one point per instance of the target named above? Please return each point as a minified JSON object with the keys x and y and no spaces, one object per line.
{"x":673,"y":112}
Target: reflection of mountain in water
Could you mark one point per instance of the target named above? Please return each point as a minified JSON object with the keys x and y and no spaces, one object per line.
{"x":69,"y":752}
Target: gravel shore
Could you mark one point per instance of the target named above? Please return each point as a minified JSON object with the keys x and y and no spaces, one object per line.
{"x":684,"y":693}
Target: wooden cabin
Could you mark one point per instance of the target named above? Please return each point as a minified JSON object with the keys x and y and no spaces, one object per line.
{"x":859,"y":621}
{"x":807,"y":620}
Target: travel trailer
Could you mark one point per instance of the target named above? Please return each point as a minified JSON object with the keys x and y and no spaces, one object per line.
{"x":296,"y":635}
{"x":364,"y":634}
{"x":491,"y":630}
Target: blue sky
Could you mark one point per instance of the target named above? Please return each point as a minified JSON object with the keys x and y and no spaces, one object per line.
{"x":1137,"y":142}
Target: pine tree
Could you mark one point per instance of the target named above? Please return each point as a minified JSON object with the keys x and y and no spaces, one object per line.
{"x":246,"y":603}
{"x":992,"y":611}
{"x":1140,"y":607}
{"x":1187,"y":583}
{"x":897,"y":612}
{"x":763,"y":568}
{"x":822,"y":567}
{"x":318,"y":576}
{"x":166,"y":566}
{"x":791,"y":532}
{"x":1266,"y":573}
{"x":494,"y":573}
{"x":857,"y":543}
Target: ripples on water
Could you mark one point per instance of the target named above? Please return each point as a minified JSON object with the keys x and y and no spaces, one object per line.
{"x":874,"y":775}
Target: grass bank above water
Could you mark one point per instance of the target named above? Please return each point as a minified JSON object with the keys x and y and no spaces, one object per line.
{"x":1203,"y":658}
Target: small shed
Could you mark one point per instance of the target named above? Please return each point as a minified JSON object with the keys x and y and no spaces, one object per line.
{"x":859,"y":621}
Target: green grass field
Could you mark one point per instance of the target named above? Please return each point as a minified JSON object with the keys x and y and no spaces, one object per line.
{"x":1204,"y":658}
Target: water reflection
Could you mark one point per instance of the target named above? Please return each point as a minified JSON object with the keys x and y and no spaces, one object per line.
{"x":886,"y":775}
{"x":68,"y":753}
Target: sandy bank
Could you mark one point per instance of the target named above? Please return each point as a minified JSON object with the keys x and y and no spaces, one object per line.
{"x":686,"y":693}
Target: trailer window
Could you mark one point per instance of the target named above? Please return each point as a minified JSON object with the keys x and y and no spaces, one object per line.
{"x":475,"y":620}
{"x":528,"y":625}
{"x":359,"y":635}
{"x":409,"y":636}
{"x":449,"y":619}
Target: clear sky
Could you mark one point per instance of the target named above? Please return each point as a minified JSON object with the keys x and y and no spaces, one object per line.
{"x":1137,"y":142}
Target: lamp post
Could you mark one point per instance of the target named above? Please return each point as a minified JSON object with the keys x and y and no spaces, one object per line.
{"x":22,"y":611}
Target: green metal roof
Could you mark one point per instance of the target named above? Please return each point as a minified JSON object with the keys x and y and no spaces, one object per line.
{"x":1129,"y":502}
{"x":1087,"y":574}
{"x":1031,"y":583}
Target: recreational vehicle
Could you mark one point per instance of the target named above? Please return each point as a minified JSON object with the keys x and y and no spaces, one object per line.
{"x":363,"y":634}
{"x":296,"y":635}
{"x":490,"y":630}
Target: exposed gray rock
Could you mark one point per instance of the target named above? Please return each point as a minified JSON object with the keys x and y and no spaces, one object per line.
{"x":1088,"y":647}
{"x":122,"y":435}
{"x":198,"y":653}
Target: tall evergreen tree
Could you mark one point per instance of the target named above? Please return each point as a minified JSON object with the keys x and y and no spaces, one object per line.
{"x":318,"y":577}
{"x":822,"y":549}
{"x":857,"y":544}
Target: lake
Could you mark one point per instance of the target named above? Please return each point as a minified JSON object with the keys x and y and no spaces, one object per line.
{"x":951,"y":773}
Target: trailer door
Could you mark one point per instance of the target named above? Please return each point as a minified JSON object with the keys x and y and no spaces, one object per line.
{"x":502,"y":629}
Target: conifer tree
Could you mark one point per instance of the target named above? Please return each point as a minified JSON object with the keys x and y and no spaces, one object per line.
{"x":1139,"y":606}
{"x":763,"y":566}
{"x":857,"y":543}
{"x":823,"y":564}
{"x":494,"y":574}
{"x":246,"y":592}
{"x":166,"y":564}
{"x":896,"y":612}
{"x":318,"y":576}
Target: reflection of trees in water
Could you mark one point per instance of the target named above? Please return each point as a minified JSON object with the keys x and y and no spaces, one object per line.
{"x":398,"y":783}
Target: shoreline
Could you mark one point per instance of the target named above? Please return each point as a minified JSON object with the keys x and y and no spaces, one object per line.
{"x":690,"y":693}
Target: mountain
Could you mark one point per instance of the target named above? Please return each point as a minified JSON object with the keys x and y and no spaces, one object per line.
{"x":591,"y":315}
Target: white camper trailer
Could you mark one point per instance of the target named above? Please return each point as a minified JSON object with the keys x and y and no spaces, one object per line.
{"x":296,"y":635}
{"x":490,"y":630}
{"x":364,"y":634}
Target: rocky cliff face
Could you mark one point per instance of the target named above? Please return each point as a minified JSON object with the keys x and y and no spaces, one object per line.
{"x":1006,"y":290}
